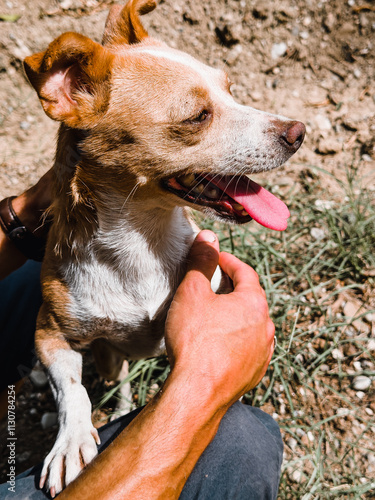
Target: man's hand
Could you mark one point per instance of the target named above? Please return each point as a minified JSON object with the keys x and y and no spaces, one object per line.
{"x":225,"y":340}
{"x":219,"y":347}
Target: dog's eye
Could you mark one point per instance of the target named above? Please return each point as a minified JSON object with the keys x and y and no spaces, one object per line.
{"x":201,"y":117}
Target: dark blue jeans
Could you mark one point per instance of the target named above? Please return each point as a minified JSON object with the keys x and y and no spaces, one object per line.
{"x":243,"y":461}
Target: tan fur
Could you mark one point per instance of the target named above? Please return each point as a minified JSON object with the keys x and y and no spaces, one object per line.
{"x":116,"y":251}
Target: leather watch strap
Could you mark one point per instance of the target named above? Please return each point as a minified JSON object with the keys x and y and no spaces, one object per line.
{"x":23,"y":239}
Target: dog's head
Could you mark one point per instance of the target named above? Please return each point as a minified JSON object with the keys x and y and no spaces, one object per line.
{"x":161,"y":118}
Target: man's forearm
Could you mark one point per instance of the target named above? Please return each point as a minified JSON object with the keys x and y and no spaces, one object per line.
{"x":155,"y":454}
{"x":11,"y":258}
{"x":29,"y":208}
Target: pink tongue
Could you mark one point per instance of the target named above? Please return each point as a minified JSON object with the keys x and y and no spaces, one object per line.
{"x":259,"y":203}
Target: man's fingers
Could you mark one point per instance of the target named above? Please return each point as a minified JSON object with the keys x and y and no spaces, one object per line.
{"x":242,"y":275}
{"x":203,"y":257}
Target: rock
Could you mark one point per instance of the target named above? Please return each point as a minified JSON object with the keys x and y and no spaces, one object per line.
{"x":297,"y":476}
{"x":318,"y":233}
{"x":330,"y":21}
{"x":343,"y":412}
{"x":337,"y":354}
{"x":292,"y":443}
{"x":366,"y":157}
{"x":48,"y":420}
{"x":233,"y":54}
{"x":278,"y":50}
{"x":357,"y":366}
{"x":323,"y":205}
{"x":328,"y":146}
{"x":38,"y":378}
{"x":322,"y":122}
{"x":361,"y":383}
{"x":24,"y":125}
{"x":256,"y":96}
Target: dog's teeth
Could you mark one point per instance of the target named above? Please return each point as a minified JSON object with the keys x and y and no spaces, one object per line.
{"x":198,"y":189}
{"x":237,"y":206}
{"x":187,"y":180}
{"x":212,"y":192}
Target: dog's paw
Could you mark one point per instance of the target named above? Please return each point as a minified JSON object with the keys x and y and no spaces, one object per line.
{"x":67,"y":458}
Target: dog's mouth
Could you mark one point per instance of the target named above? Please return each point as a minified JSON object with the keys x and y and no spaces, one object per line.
{"x":233,"y":197}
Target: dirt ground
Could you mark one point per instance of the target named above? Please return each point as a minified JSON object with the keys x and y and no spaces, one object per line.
{"x":309,"y":60}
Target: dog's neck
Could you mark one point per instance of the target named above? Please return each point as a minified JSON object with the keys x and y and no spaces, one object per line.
{"x":129,"y":231}
{"x":140,"y":236}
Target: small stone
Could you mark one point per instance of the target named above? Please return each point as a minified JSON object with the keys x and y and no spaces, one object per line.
{"x":278,"y":50}
{"x":366,"y":157}
{"x":357,"y":366}
{"x":317,"y":233}
{"x":360,"y":394}
{"x":297,"y":476}
{"x":233,"y":54}
{"x":324,"y":368}
{"x":361,"y":383}
{"x":292,"y":443}
{"x":322,"y":122}
{"x":330,"y":21}
{"x":371,"y":345}
{"x":323,"y":205}
{"x":343,"y":412}
{"x":328,"y":146}
{"x":256,"y":96}
{"x":25,"y":125}
{"x":337,"y":354}
{"x":370,"y":412}
{"x":357,"y":73}
{"x":48,"y":420}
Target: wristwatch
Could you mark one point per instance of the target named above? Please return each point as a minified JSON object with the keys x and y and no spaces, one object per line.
{"x":25,"y":241}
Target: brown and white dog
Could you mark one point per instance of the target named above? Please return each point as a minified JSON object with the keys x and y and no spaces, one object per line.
{"x":146,"y":131}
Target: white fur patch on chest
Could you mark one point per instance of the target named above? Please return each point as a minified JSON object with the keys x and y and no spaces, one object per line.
{"x":126,"y":278}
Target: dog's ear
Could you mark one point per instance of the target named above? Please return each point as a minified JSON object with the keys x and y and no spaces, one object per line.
{"x":123,"y":24}
{"x":71,"y":78}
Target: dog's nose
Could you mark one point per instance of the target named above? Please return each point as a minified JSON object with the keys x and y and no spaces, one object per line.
{"x":292,"y":137}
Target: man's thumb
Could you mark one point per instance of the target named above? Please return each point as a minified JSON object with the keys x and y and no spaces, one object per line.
{"x":203,"y":257}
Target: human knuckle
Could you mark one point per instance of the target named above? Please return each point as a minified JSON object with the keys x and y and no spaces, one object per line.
{"x":270,"y":330}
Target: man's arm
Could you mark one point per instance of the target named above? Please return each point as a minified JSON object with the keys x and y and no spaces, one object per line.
{"x":29,"y":207}
{"x":219,"y":347}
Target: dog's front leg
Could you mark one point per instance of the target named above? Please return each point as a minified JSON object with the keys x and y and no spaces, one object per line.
{"x":76,"y":441}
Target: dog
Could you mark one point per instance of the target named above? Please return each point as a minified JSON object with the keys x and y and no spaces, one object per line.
{"x":146,"y":133}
